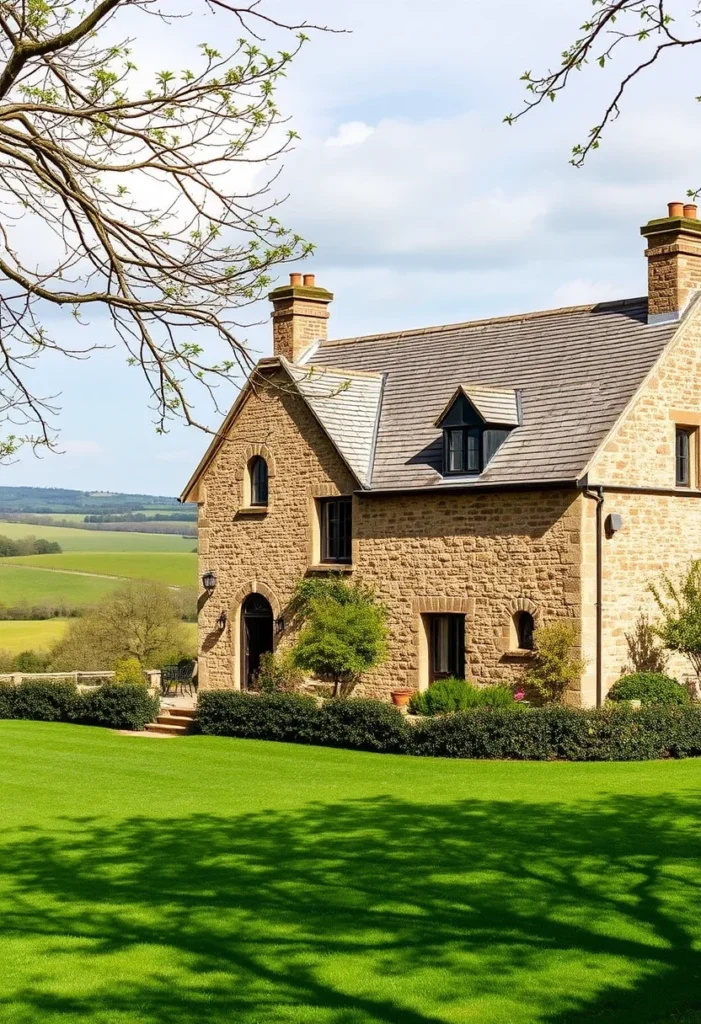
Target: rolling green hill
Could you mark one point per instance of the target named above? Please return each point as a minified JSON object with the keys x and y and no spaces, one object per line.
{"x":176,"y":568}
{"x":89,"y":540}
{"x":22,"y":585}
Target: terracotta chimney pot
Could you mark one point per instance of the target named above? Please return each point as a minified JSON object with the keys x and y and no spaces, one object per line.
{"x":296,"y":279}
{"x":309,"y":279}
{"x":676,"y":209}
{"x":673,"y":262}
{"x":300,"y":316}
{"x":690,"y":211}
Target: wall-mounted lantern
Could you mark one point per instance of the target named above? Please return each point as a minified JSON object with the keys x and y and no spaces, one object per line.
{"x":209,"y":581}
{"x":279,"y":626}
{"x":221,"y":622}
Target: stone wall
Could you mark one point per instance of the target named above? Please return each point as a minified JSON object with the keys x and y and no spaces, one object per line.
{"x":485,"y":556}
{"x":661,"y":532}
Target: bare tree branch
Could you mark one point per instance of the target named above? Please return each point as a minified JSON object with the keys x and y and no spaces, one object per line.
{"x":129,"y":196}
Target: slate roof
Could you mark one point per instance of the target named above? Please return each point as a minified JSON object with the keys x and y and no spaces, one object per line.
{"x":576,"y":370}
{"x":495,"y":405}
{"x":347,"y":404}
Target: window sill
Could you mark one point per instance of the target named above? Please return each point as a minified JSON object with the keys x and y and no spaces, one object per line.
{"x":519,"y":652}
{"x":253,"y":510}
{"x":331,"y":567}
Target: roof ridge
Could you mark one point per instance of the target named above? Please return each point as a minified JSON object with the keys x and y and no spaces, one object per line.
{"x":509,"y":318}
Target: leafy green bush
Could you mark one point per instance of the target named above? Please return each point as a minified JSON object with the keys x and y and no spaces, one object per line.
{"x":269,"y":716}
{"x":41,"y":701}
{"x":614,"y":733}
{"x":361,"y":724}
{"x":277,"y":675}
{"x":553,"y":670}
{"x":649,"y":688}
{"x":115,"y":706}
{"x":344,"y":634}
{"x":30,"y":661}
{"x":448,"y":695}
{"x":128,"y":671}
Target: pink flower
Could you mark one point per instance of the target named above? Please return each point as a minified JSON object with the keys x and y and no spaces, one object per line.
{"x":519,"y":695}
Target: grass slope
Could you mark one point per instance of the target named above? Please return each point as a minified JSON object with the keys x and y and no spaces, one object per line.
{"x":28,"y":635}
{"x":177,"y":568}
{"x":212,"y":880}
{"x":100,"y":540}
{"x":20,"y":585}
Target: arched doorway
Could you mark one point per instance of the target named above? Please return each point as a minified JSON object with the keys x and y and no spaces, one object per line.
{"x":256,"y":634}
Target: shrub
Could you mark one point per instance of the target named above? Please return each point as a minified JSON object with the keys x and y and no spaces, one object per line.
{"x":41,"y":701}
{"x":343,"y":636}
{"x":271,"y":716}
{"x":680,"y":605}
{"x":644,"y":652}
{"x":614,"y":733}
{"x":30,"y":661}
{"x":362,"y":724}
{"x":447,"y":695}
{"x":277,"y":674}
{"x":649,"y":688}
{"x":116,"y":706}
{"x":553,"y":669}
{"x":129,"y":671}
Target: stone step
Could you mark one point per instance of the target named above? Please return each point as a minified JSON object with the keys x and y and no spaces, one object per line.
{"x":169,"y":729}
{"x":180,"y":712}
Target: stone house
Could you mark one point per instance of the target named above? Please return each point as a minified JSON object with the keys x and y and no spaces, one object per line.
{"x":484,"y":477}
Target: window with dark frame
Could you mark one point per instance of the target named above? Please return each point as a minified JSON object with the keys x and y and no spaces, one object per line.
{"x":683,"y":457}
{"x":336,"y":521}
{"x":469,"y":443}
{"x":258,"y":469}
{"x":446,"y":636}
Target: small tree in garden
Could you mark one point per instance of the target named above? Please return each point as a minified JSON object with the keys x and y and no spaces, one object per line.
{"x":644,"y":651}
{"x":344,"y":634}
{"x":680,"y":605}
{"x":554,"y":669}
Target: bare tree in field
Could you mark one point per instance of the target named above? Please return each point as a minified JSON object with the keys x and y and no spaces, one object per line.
{"x":636,"y":33}
{"x":130,"y":195}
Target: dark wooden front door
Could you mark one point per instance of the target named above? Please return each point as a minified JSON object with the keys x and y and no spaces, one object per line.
{"x":257,"y":638}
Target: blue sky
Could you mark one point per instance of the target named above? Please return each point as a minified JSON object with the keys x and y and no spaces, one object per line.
{"x":424,"y":207}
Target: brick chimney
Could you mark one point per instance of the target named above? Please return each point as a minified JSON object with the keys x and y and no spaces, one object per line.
{"x":673,"y":261}
{"x":300,"y":316}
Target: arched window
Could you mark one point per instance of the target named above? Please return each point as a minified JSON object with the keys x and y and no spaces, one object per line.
{"x":258,"y":469}
{"x":525,"y":626}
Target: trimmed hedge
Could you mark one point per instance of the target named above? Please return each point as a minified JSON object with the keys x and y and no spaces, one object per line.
{"x":117,"y":707}
{"x":614,"y":733}
{"x":40,"y":701}
{"x":649,"y":688}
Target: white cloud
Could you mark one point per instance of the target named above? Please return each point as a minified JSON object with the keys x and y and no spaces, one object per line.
{"x":350,"y":134}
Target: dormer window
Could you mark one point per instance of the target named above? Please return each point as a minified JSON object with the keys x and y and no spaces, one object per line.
{"x":475,"y":424}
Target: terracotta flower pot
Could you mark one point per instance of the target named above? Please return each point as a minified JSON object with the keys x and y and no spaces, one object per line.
{"x":401,"y":697}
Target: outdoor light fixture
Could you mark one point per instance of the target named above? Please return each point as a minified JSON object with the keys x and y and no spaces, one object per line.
{"x":279,"y":626}
{"x":209,"y":581}
{"x":221,"y":622}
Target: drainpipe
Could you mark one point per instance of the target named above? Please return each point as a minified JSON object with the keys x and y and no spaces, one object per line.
{"x":596,"y":493}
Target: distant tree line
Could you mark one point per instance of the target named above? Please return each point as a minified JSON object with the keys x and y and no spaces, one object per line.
{"x":142,"y":517}
{"x":28,"y":546}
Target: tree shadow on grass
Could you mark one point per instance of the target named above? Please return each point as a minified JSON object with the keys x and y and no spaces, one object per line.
{"x":376,"y":910}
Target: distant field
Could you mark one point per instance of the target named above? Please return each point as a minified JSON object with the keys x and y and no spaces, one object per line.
{"x":40,"y":636}
{"x":94,"y":540}
{"x":176,"y":568}
{"x":21,"y":585}
{"x":31,"y":636}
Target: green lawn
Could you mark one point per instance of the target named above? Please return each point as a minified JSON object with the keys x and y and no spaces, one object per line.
{"x":177,"y":568}
{"x":100,"y":540}
{"x":211,"y":880}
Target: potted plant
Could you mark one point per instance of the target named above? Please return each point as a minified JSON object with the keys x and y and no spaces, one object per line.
{"x":400,"y":698}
